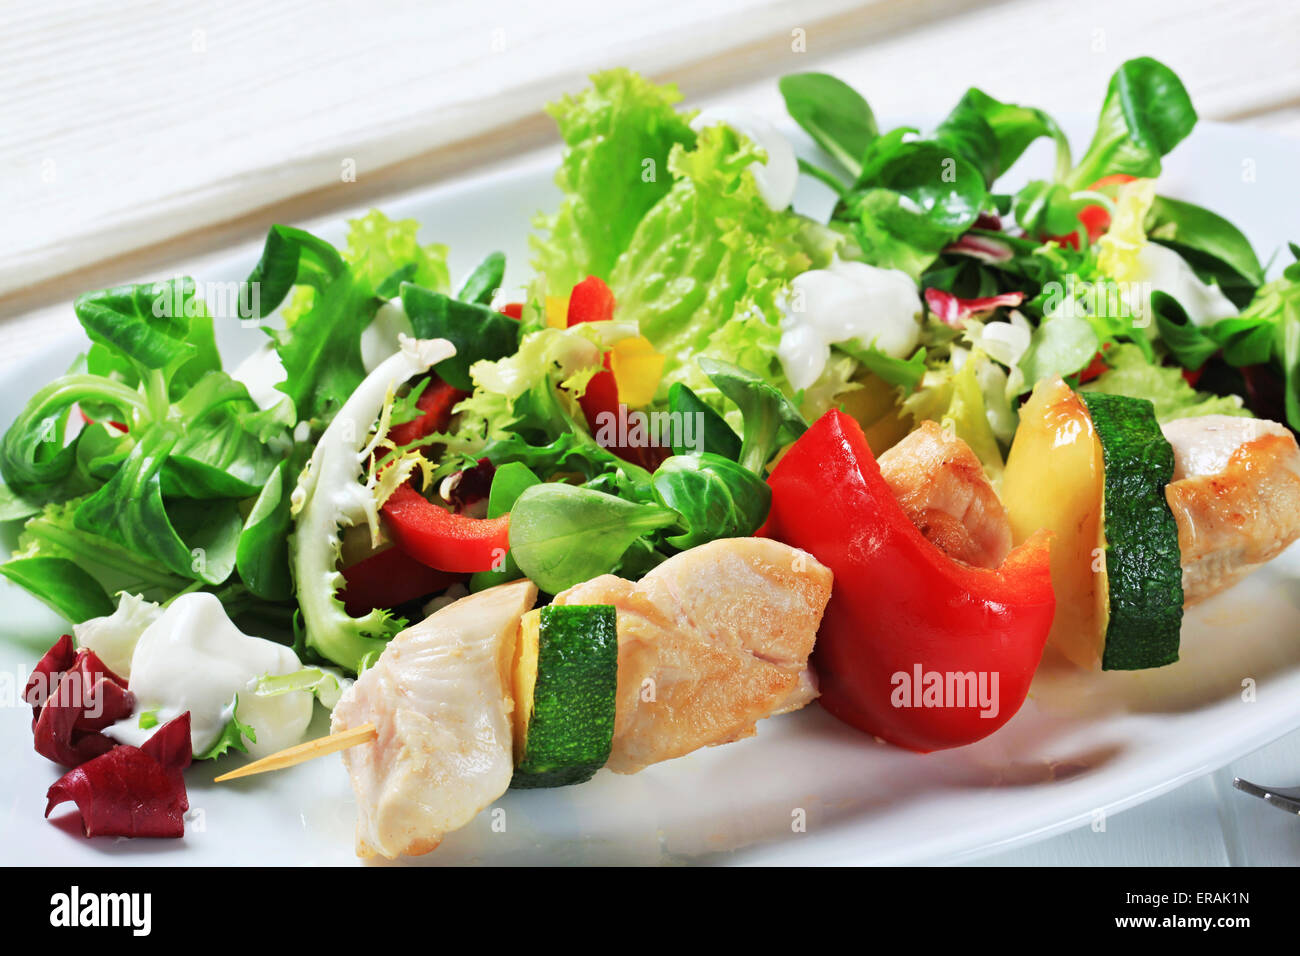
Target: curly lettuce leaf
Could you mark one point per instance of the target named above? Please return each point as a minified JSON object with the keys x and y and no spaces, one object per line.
{"x":708,"y":265}
{"x":619,"y":133}
{"x":1131,"y":374}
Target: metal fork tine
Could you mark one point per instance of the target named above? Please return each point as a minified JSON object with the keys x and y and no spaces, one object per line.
{"x":1283,"y":803}
{"x":1284,"y":798}
{"x":1245,"y":786}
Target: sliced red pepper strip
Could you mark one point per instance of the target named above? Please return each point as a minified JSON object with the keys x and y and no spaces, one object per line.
{"x":132,"y":791}
{"x":591,"y":301}
{"x":387,"y":579}
{"x":901,"y":609}
{"x":514,"y":310}
{"x":441,"y":539}
{"x":1096,"y":219}
{"x":435,"y":402}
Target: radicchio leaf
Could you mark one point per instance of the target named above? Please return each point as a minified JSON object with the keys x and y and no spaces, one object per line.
{"x":132,"y":791}
{"x":74,"y":696}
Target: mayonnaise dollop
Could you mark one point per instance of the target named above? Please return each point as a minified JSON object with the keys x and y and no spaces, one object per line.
{"x":193,"y":658}
{"x":776,"y":179}
{"x":848,"y":302}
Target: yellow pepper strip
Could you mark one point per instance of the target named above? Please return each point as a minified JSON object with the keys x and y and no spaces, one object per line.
{"x":557,"y":311}
{"x":637,"y":368}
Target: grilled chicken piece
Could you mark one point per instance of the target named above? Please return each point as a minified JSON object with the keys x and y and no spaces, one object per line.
{"x":441,"y":698}
{"x":1235,"y":495}
{"x":710,"y":642}
{"x":942,"y":488}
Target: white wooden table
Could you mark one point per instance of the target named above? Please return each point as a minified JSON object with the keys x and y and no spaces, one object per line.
{"x":136,"y":135}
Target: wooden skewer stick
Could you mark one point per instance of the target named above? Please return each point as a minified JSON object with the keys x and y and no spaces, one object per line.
{"x":306,"y":751}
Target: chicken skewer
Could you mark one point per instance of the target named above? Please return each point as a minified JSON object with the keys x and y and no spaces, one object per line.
{"x":720,"y":635}
{"x":709,"y":643}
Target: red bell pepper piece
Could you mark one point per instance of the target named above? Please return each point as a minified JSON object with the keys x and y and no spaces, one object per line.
{"x":514,"y":310}
{"x":591,"y":301}
{"x":387,"y":579}
{"x":440,"y":539}
{"x":435,"y":402}
{"x":902,"y":611}
{"x":1095,"y":219}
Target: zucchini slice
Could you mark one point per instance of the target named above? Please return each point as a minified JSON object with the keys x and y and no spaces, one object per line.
{"x":1143,"y":577}
{"x":565,"y":683}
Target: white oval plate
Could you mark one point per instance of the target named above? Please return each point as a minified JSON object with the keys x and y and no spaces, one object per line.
{"x":806,"y":789}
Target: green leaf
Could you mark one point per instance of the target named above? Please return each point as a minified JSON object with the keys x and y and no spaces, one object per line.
{"x":1014,"y":128}
{"x":33,"y":456}
{"x":14,"y":507}
{"x":479,"y":333}
{"x":129,"y":511}
{"x":509,"y":482}
{"x":1215,"y":248}
{"x":968,"y":134}
{"x":232,"y":737}
{"x":292,"y":257}
{"x":767,"y":414}
{"x":1188,"y":343}
{"x":715,"y":497}
{"x":710,"y":252}
{"x":1062,"y":344}
{"x":715,"y":436}
{"x":1131,"y":374}
{"x":146,"y":324}
{"x":904,"y":373}
{"x":562,"y":535}
{"x":1146,"y":113}
{"x":321,"y":351}
{"x":53,"y":533}
{"x":262,"y":552}
{"x":485,"y":280}
{"x":834,"y":114}
{"x":62,"y":585}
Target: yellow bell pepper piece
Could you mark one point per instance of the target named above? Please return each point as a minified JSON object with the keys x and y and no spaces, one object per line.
{"x":557,"y":311}
{"x":637,"y":368}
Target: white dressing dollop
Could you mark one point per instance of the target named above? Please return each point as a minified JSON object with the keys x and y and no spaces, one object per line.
{"x":193,"y":658}
{"x":848,"y":302}
{"x":776,"y":179}
{"x":113,"y":638}
{"x":1166,"y":271}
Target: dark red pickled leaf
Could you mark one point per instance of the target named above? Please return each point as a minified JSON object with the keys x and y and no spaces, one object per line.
{"x":950,"y":310}
{"x":473,"y":485}
{"x":983,"y":248}
{"x":132,"y":791}
{"x":988,"y":221}
{"x":45,"y":676}
{"x":173,"y":748}
{"x":72,"y":701}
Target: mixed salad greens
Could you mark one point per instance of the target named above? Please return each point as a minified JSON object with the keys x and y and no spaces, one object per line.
{"x":382,"y":470}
